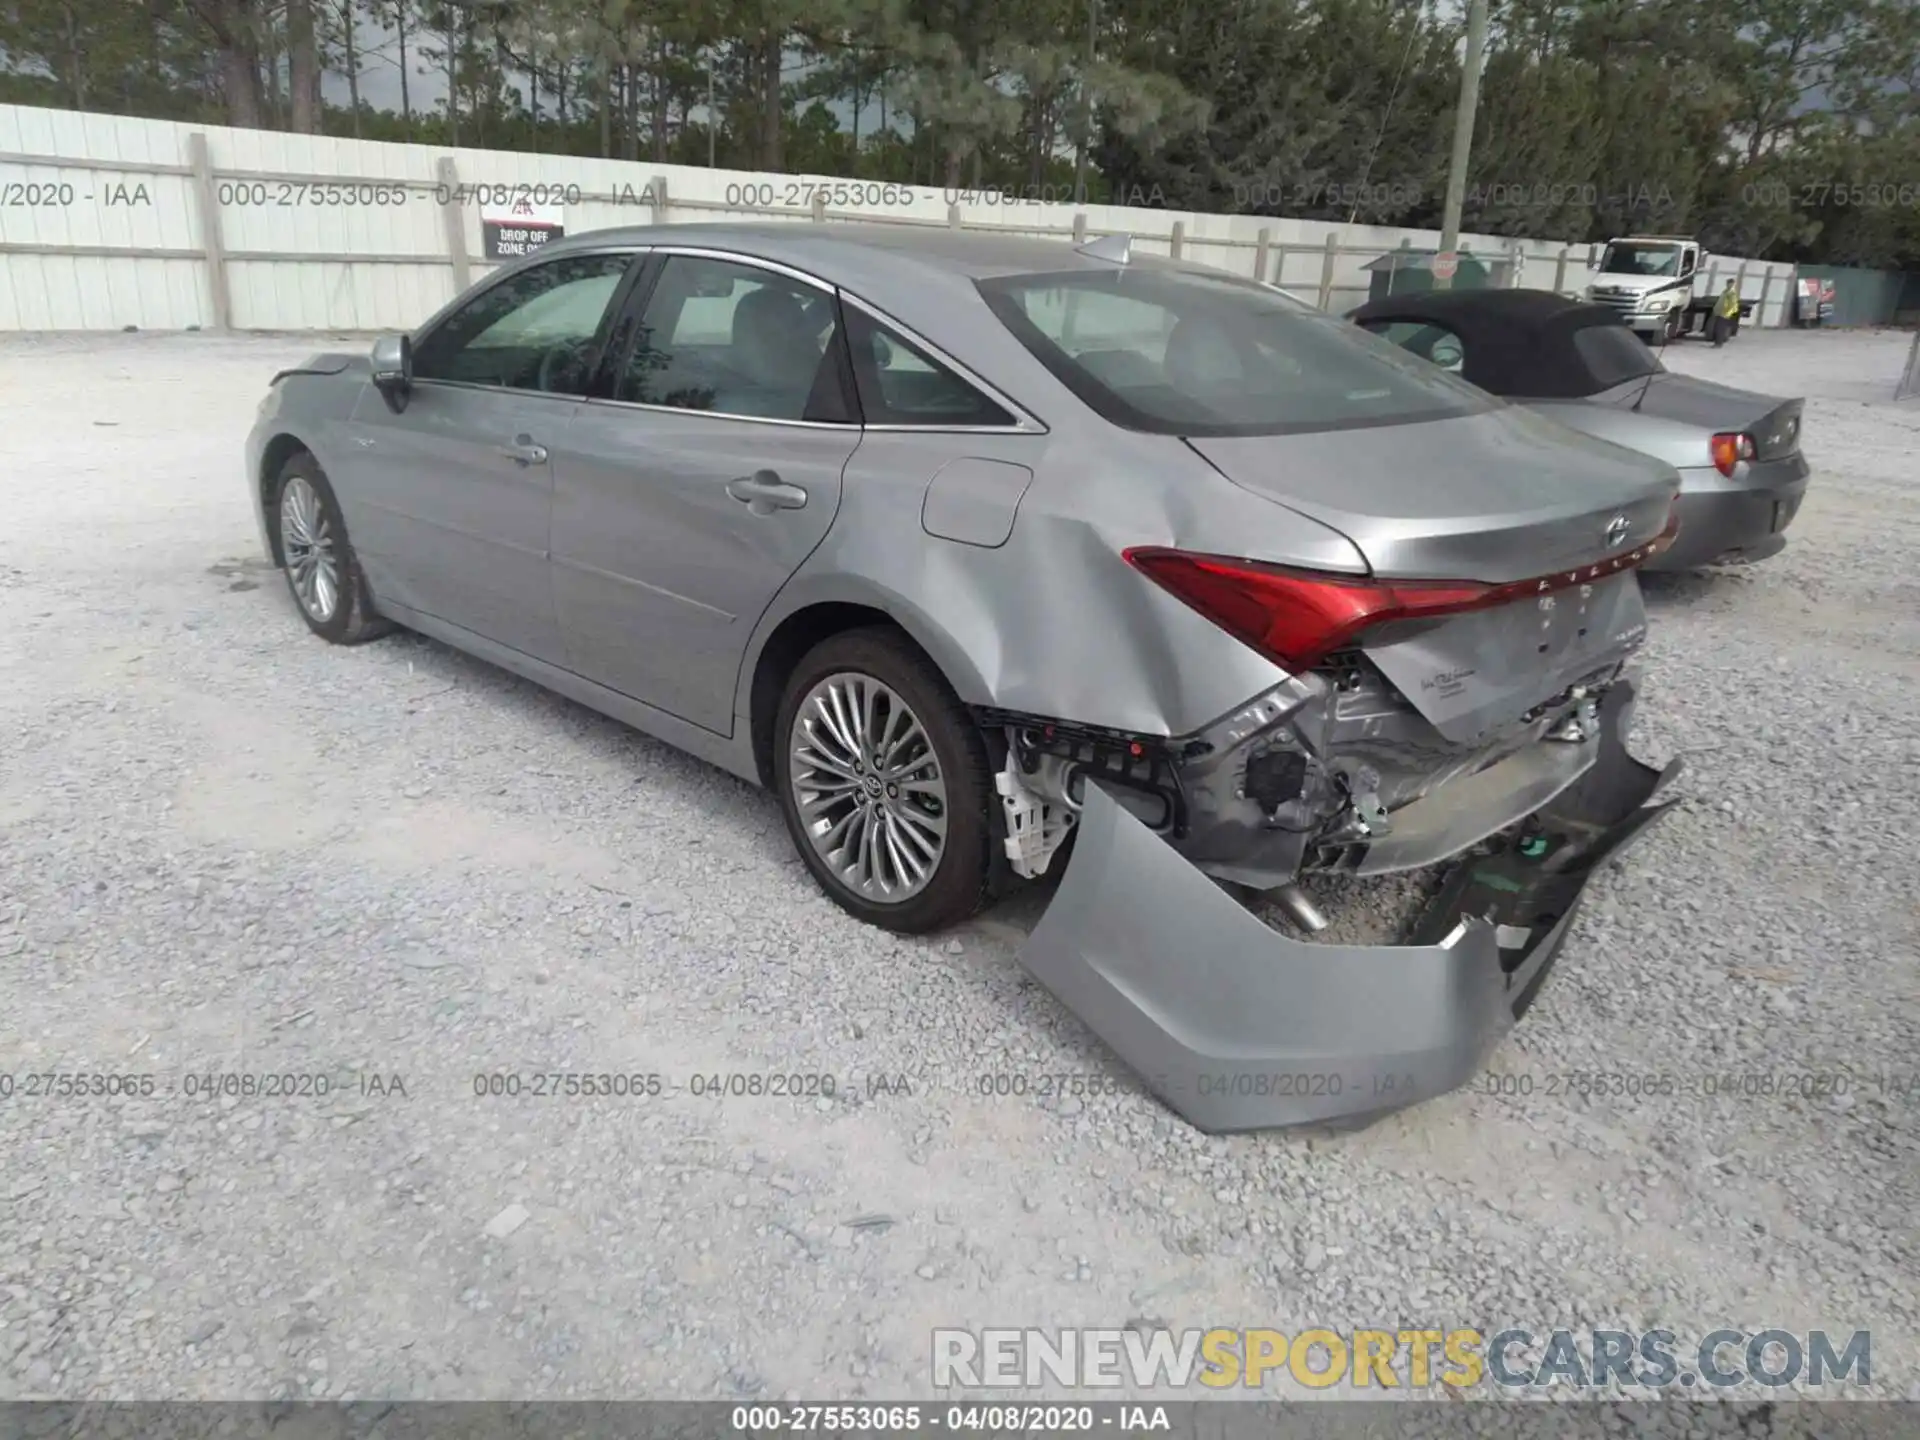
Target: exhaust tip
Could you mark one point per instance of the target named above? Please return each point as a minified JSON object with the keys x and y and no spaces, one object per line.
{"x":1300,"y":909}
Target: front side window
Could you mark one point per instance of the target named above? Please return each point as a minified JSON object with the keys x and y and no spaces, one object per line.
{"x":1181,"y":353}
{"x":533,"y":331}
{"x":733,"y":339}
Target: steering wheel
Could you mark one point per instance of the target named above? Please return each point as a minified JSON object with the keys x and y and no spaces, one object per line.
{"x":567,"y":352}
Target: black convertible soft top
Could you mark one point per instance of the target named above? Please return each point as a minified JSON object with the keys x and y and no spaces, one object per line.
{"x":1527,"y":344}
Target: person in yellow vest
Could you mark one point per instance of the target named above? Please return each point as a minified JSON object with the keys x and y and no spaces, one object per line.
{"x":1726,"y":314}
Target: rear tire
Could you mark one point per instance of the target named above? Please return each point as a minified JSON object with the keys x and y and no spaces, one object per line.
{"x":869,"y":695}
{"x":323,"y":573}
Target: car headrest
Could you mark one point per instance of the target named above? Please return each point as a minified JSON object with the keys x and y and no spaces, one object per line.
{"x":772,"y":338}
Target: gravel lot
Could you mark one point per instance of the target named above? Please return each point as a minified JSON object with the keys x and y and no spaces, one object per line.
{"x":226,"y":846}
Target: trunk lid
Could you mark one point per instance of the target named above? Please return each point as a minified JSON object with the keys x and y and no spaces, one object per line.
{"x":1774,"y":423}
{"x":1499,"y":496}
{"x":1473,"y":676}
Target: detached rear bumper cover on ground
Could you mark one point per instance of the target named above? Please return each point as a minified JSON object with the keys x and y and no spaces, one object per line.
{"x":1239,"y":1027}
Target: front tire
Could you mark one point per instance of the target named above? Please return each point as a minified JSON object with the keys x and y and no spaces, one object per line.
{"x":323,"y":573}
{"x":884,"y":782}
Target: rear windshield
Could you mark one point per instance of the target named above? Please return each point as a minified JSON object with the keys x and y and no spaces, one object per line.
{"x":1613,"y":354}
{"x":1175,"y":352}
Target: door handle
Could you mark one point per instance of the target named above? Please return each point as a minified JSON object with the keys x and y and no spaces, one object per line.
{"x":524,"y":452}
{"x":765,"y":492}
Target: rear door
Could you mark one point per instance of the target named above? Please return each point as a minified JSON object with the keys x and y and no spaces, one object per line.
{"x":708,"y":472}
{"x":452,"y":495}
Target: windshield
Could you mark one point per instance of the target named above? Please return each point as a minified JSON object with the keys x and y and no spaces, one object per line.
{"x":1641,"y":260}
{"x":1175,"y":352}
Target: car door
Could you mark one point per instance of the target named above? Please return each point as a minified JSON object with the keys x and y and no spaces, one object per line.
{"x":455,"y":488}
{"x":708,"y":472}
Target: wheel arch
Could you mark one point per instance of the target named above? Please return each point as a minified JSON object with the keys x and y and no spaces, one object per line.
{"x":273,"y":455}
{"x":788,"y":632}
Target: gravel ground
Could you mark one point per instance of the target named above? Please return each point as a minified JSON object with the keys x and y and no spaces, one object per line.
{"x":225,"y":846}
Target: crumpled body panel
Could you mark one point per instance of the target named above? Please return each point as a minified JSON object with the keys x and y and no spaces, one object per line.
{"x":1237,"y":1026}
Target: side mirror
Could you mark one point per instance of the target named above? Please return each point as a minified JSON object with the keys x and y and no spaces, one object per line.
{"x":392,"y":365}
{"x":882,"y":352}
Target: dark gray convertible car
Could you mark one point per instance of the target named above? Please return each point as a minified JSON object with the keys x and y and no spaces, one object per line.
{"x":974,"y":549}
{"x":1742,"y":472}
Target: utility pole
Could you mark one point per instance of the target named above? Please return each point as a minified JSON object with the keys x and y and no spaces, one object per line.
{"x":1086,"y":108}
{"x":713,"y":119}
{"x":1463,"y":132}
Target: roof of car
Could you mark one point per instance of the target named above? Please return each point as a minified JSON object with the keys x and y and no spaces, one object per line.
{"x":975,"y":253}
{"x":1517,"y":343}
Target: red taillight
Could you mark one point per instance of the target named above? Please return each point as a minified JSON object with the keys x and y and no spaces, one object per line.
{"x":1299,"y":617}
{"x":1729,"y":449}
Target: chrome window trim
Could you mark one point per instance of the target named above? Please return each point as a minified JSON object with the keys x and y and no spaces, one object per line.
{"x":1024,"y":421}
{"x":500,"y":390}
{"x":499,"y":277}
{"x":752,"y":262}
{"x":839,"y":426}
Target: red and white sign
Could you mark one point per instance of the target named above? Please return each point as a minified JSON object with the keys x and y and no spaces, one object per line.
{"x":1445,"y":264}
{"x":509,"y":231}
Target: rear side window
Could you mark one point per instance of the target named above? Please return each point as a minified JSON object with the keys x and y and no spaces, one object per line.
{"x":1180,"y":352}
{"x":1613,"y":354}
{"x":900,"y":384}
{"x":733,"y":339}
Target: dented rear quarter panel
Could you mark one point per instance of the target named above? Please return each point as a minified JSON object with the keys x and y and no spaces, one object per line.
{"x":1053,"y":621}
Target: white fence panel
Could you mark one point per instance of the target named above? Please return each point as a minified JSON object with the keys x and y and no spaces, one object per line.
{"x":109,"y":221}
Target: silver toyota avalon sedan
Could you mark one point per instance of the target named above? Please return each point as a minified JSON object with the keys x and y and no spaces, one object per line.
{"x":995,"y":556}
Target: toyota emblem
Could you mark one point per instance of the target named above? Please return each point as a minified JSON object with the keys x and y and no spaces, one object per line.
{"x":1617,"y":531}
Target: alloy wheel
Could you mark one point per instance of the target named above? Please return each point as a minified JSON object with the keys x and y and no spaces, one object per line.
{"x":868,"y":787}
{"x":306,"y":541}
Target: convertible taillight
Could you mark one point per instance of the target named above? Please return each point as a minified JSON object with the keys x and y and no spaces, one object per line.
{"x":1297,"y":618}
{"x":1729,"y":449}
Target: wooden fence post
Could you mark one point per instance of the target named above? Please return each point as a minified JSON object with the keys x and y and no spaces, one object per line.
{"x":207,"y":201}
{"x":1326,"y":269}
{"x":453,"y":217}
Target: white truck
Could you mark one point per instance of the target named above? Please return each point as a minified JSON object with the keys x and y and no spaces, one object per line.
{"x":1661,"y":285}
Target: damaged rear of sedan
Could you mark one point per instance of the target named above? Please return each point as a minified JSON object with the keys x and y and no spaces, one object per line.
{"x":1062,"y":558}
